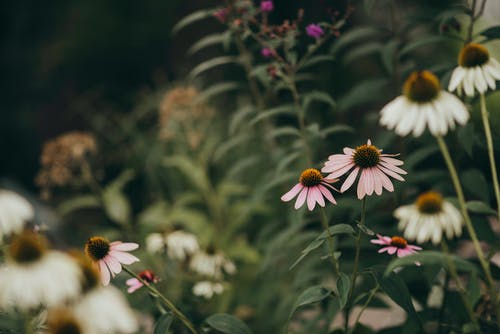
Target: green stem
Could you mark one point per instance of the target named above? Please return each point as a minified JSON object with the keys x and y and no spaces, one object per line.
{"x":365,"y":305}
{"x":164,"y":299}
{"x":300,"y":118}
{"x":468,"y":223}
{"x":331,"y":244}
{"x":356,"y":263}
{"x":491,"y":153}
{"x":462,"y":291}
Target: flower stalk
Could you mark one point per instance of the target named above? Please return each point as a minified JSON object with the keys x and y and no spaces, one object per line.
{"x":165,"y":300}
{"x":331,"y":242}
{"x":491,"y":153}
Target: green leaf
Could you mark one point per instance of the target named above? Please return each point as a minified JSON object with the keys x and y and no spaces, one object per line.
{"x":363,"y":50}
{"x":343,"y":287}
{"x":216,"y":89}
{"x":480,"y":208}
{"x":430,"y":258}
{"x":116,"y":204}
{"x":163,"y":324}
{"x":367,"y":91}
{"x":422,"y":42}
{"x":191,"y":18}
{"x":315,"y":60}
{"x":467,"y":137}
{"x":354,"y":36}
{"x":227,"y":324}
{"x":397,"y":290}
{"x":209,"y":40}
{"x":336,"y":129}
{"x":419,"y":156}
{"x":226,"y":147}
{"x":475,"y":182}
{"x":284,"y":131}
{"x":78,"y":203}
{"x":190,"y":169}
{"x":316,"y":243}
{"x":491,"y":33}
{"x":473,"y":290}
{"x":311,"y":295}
{"x":365,"y":230}
{"x":387,"y":54}
{"x":239,"y":118}
{"x":318,"y":96}
{"x":210,"y":64}
{"x":287,"y":109}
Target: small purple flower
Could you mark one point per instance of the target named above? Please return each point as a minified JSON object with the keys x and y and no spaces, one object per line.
{"x":267,"y":52}
{"x":266,"y":6}
{"x":221,"y":15}
{"x":314,"y":30}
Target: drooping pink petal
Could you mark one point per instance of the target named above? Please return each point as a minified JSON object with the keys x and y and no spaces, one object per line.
{"x":404,"y":251}
{"x":339,"y":172}
{"x":123,"y":257}
{"x":301,"y":198}
{"x":350,"y":180}
{"x":339,"y":157}
{"x":369,"y":181}
{"x":386,"y":182}
{"x":311,"y":199}
{"x":328,"y":195}
{"x":377,"y":180}
{"x":385,"y":249}
{"x":134,"y":284}
{"x":319,"y":197}
{"x":104,"y":271}
{"x":392,"y":250}
{"x":391,"y":173}
{"x":114,"y":265}
{"x":348,"y":151}
{"x":393,"y":168}
{"x":292,"y":193}
{"x":391,"y":161}
{"x":413,"y":247}
{"x":123,"y":246}
{"x":361,"y":191}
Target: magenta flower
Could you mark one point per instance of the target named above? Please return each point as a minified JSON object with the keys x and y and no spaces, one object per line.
{"x":266,"y":6}
{"x":396,"y":245}
{"x":314,"y":31}
{"x":372,"y":166}
{"x":221,"y":14}
{"x":109,"y":256}
{"x":311,"y":187}
{"x":147,"y":275}
{"x":267,"y":52}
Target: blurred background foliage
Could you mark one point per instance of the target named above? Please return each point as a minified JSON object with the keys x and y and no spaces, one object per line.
{"x":104,"y":66}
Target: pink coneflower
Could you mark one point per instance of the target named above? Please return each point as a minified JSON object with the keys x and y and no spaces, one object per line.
{"x":313,"y":187}
{"x":109,"y":256}
{"x":266,"y":6}
{"x":372,"y":166}
{"x":147,"y":275}
{"x":314,"y":30}
{"x":395,"y":245}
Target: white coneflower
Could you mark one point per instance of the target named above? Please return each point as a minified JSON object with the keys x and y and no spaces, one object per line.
{"x":63,"y":321}
{"x":34,"y":276}
{"x":155,"y":243}
{"x":429,"y":218}
{"x":423,"y":105}
{"x":15,"y":211}
{"x":181,"y":244}
{"x":207,"y":289}
{"x":106,"y":307}
{"x":212,"y":264}
{"x":476,"y":71}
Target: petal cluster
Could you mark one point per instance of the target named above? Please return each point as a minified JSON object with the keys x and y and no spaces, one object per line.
{"x":111,"y":264}
{"x":391,"y":248}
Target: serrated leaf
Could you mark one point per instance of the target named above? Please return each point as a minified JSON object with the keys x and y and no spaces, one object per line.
{"x":227,"y":324}
{"x":311,"y":295}
{"x":212,"y":63}
{"x":343,"y":287}
{"x":207,"y":41}
{"x":163,"y":324}
{"x":480,"y":208}
{"x":430,"y":258}
{"x":191,"y":18}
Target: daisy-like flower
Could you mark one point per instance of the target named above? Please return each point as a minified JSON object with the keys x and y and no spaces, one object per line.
{"x":212,"y":264}
{"x":101,"y":309}
{"x":34,"y":276}
{"x":476,"y":71}
{"x":395,"y":245}
{"x":428,"y":218}
{"x":63,"y":321}
{"x":109,"y":256}
{"x":312,"y":187}
{"x":423,"y":105}
{"x":179,"y":244}
{"x":207,"y":289}
{"x":372,"y":166}
{"x":147,"y":275}
{"x":15,"y":211}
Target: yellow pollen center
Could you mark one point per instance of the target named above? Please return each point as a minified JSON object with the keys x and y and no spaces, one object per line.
{"x":97,"y":248}
{"x":399,"y":242}
{"x":27,"y":247}
{"x":421,"y":87}
{"x":473,"y":55}
{"x":430,"y":202}
{"x":366,"y":156}
{"x":310,"y":177}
